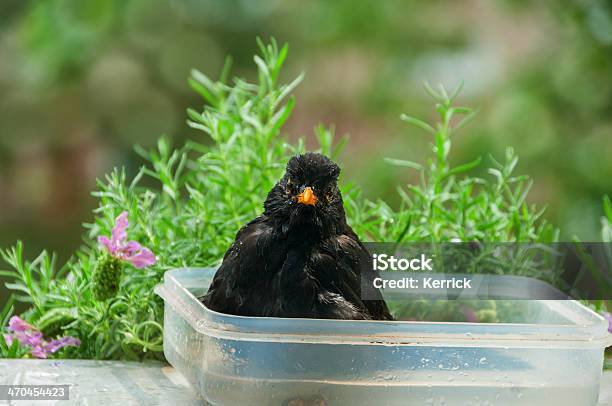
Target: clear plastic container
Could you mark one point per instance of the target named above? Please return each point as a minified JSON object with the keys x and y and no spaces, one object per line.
{"x":551,"y":353}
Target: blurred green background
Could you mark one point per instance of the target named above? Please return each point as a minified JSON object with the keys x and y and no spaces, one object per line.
{"x":82,"y":82}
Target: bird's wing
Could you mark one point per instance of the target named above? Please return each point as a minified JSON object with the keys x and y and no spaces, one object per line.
{"x":352,"y":262}
{"x":243,"y":266}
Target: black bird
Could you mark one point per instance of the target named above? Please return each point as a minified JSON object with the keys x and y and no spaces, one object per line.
{"x":299,"y":258}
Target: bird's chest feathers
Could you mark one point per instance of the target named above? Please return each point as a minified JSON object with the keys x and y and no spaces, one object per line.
{"x":307,"y":264}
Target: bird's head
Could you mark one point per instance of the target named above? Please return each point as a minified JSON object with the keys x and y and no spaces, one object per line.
{"x":307,"y":196}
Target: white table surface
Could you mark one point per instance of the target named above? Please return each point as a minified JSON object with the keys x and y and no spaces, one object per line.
{"x":126,"y":383}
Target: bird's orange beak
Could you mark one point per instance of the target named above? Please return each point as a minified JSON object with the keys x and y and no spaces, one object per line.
{"x":307,"y":197}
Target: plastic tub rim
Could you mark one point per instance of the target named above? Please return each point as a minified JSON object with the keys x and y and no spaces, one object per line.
{"x":221,"y":325}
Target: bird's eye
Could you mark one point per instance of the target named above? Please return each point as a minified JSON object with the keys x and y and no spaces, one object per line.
{"x":289,"y":186}
{"x":329,"y":196}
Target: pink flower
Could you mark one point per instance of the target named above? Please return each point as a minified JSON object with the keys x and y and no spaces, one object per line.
{"x":23,"y":332}
{"x":43,"y":351}
{"x":29,"y":336}
{"x":17,"y":324}
{"x":608,"y":317}
{"x":120,"y":248}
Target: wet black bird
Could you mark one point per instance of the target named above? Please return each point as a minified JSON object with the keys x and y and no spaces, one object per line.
{"x":299,"y":258}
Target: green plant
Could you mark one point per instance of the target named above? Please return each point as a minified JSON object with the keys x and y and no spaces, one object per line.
{"x":606,"y":223}
{"x":448,"y":204}
{"x":208,"y":190}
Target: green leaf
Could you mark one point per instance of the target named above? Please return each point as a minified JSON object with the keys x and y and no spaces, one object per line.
{"x":456,"y":92}
{"x":6,"y":312}
{"x":418,"y":123}
{"x":279,"y":119}
{"x":465,"y":120}
{"x":435,"y":95}
{"x":607,"y":205}
{"x":204,"y":86}
{"x":464,"y":167}
{"x":225,"y":71}
{"x":403,"y":163}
